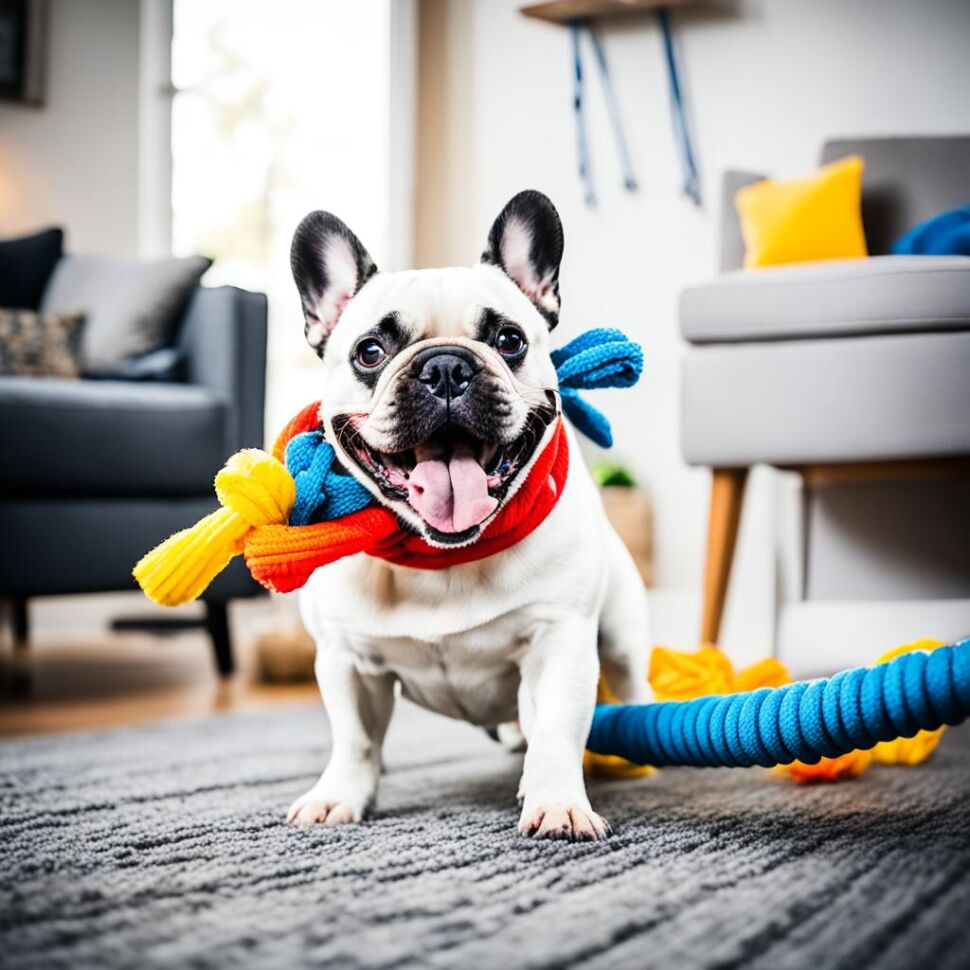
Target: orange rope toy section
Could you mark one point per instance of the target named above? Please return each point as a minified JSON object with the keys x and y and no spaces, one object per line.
{"x":282,"y":557}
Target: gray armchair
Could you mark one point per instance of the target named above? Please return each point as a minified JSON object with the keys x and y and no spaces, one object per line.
{"x":854,"y":374}
{"x":96,"y":472}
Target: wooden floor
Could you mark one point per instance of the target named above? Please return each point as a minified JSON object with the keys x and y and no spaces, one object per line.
{"x":100,"y":679}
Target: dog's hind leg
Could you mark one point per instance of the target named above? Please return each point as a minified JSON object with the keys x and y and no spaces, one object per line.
{"x":359,"y":706}
{"x":624,"y":637}
{"x":509,"y":735}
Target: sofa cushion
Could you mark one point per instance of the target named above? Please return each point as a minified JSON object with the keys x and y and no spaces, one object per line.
{"x":114,"y":533}
{"x":132,"y":305}
{"x":63,"y":437}
{"x":26,"y":264}
{"x":884,"y":294}
{"x":845,"y":399}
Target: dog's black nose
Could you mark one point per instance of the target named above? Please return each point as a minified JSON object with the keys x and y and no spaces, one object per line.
{"x":446,"y":370}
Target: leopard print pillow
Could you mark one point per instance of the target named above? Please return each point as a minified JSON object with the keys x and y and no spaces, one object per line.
{"x":40,"y":344}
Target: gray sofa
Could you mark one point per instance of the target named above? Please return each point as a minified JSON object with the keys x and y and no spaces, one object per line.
{"x":854,"y":374}
{"x":96,"y":472}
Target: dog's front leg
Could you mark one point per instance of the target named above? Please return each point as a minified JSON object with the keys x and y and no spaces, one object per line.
{"x":359,"y":707}
{"x":559,"y":670}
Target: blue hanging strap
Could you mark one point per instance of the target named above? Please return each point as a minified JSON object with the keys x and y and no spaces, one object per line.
{"x":692,"y":182}
{"x":613,"y":110}
{"x":851,"y":711}
{"x":597,"y":358}
{"x":582,"y":141}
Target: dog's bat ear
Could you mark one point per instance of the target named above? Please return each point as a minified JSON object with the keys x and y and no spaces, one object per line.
{"x":329,"y":266}
{"x":526,"y":241}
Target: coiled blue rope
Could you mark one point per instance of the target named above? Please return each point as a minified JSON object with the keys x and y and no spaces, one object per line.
{"x":805,"y":721}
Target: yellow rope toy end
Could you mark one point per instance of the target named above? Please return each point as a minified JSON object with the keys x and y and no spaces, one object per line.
{"x":254,"y":489}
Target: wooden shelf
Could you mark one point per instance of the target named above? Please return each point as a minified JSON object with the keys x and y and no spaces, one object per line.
{"x":564,"y":11}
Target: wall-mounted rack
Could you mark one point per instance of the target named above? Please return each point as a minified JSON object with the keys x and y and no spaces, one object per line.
{"x":565,"y":11}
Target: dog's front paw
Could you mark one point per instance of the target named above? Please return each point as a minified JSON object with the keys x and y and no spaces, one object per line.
{"x":562,"y":820}
{"x":318,"y":808}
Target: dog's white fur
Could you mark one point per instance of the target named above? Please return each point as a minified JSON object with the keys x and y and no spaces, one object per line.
{"x":534,"y":621}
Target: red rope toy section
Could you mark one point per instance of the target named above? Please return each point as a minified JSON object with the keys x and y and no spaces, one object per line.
{"x":282,"y":557}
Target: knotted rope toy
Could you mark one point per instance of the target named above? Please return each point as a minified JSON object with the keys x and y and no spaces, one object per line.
{"x":296,"y":510}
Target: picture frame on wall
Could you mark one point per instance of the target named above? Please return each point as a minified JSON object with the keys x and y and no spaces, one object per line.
{"x":23,"y":51}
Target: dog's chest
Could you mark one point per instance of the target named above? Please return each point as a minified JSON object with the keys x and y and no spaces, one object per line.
{"x":472,"y":676}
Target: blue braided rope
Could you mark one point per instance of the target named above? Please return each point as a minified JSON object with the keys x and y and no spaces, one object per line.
{"x":322,"y":491}
{"x":597,"y":358}
{"x":804,"y":721}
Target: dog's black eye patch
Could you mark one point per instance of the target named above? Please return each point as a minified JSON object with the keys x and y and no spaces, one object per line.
{"x":491,"y":326}
{"x":391,"y":334}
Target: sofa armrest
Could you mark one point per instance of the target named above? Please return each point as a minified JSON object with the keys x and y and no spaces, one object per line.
{"x":731,"y":254}
{"x":223,"y":337}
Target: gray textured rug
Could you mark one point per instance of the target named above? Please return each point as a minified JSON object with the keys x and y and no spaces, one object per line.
{"x":165,"y":847}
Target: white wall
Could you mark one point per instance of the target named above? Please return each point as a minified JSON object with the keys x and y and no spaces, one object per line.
{"x":74,"y":162}
{"x":767,"y":83}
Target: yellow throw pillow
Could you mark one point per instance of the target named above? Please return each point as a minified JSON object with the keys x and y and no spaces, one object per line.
{"x":814,"y":218}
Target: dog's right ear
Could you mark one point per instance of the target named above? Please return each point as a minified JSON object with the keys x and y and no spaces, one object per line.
{"x":329,"y":266}
{"x":525,"y":242}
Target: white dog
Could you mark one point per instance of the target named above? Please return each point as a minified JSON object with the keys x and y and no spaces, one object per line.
{"x":438,"y":394}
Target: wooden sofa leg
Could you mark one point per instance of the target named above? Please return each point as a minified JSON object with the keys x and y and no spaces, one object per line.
{"x":727,"y":496}
{"x":19,"y":674}
{"x":217,"y":623}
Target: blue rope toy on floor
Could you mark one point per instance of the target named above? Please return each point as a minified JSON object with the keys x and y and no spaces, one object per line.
{"x":804,"y":721}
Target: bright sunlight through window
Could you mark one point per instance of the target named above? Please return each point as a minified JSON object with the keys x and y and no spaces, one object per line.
{"x":281,"y":108}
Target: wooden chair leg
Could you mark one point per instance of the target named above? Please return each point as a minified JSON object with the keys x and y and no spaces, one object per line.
{"x":727,"y":496}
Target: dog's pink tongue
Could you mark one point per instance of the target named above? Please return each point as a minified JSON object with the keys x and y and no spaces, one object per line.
{"x":450,"y":495}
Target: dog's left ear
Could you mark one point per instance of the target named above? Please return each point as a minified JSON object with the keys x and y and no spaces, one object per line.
{"x":329,"y":265}
{"x":525,"y":241}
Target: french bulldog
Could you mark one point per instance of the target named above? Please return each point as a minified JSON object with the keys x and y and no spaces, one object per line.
{"x":438,"y":395}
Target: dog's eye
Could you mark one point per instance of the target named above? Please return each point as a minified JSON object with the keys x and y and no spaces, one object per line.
{"x":510,"y":343}
{"x":370,"y":353}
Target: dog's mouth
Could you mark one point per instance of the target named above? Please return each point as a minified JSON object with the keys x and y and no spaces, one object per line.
{"x":453,"y":479}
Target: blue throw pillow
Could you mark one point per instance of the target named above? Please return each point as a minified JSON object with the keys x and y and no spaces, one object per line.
{"x":947,"y":234}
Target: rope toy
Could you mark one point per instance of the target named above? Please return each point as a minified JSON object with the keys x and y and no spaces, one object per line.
{"x":597,"y":358}
{"x":296,"y":510}
{"x":855,"y":710}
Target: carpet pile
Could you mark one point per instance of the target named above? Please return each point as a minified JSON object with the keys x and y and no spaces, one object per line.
{"x":165,"y":846}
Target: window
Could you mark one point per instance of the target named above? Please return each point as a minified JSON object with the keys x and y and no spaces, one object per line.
{"x":280,"y":109}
